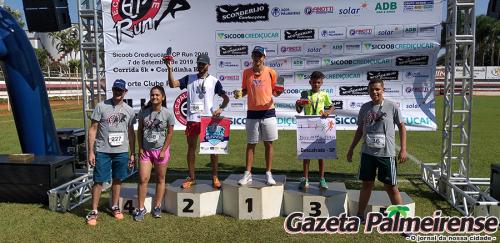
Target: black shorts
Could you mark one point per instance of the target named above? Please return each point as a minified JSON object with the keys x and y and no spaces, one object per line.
{"x":387,"y":168}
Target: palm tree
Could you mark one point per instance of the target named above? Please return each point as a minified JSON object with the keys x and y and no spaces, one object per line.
{"x":394,"y":209}
{"x":486,"y":36}
{"x":16,"y":14}
{"x":66,"y":41}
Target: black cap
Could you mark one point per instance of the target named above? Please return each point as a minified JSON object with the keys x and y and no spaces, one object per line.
{"x":203,"y":58}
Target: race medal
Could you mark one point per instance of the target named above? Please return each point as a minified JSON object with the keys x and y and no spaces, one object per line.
{"x":116,"y":139}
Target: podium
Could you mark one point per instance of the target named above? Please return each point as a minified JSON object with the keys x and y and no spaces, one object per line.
{"x":200,"y":200}
{"x":314,"y":201}
{"x":256,"y":200}
{"x":379,"y":201}
{"x":128,"y":199}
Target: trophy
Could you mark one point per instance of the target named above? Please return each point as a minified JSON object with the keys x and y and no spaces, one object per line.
{"x":304,"y":100}
{"x":280,"y":84}
{"x":238,"y":93}
{"x":168,"y":57}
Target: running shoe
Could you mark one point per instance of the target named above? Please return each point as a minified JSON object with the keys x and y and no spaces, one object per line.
{"x":156,"y":212}
{"x":139,"y":214}
{"x":247,"y":178}
{"x":269,"y":179}
{"x":304,"y":183}
{"x":116,"y":212}
{"x":322,"y":183}
{"x":188,"y":183}
{"x":91,"y":218}
{"x":216,"y":182}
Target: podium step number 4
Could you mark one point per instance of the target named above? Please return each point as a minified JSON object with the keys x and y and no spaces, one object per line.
{"x":128,"y":199}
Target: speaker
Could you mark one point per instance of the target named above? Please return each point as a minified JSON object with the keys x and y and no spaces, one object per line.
{"x":46,"y":15}
{"x":495,"y":181}
{"x":29,"y":181}
{"x":72,"y":143}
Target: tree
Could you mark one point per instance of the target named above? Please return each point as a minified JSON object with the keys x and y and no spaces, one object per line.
{"x":487,"y":43}
{"x":16,"y":14}
{"x":42,"y":55}
{"x":66,"y":41}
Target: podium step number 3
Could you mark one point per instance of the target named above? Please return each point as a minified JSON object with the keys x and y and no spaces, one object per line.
{"x":314,"y":201}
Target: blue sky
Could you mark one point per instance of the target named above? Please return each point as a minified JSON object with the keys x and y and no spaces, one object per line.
{"x":481,"y":7}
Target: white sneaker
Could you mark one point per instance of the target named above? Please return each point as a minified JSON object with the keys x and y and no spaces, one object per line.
{"x":247,"y":178}
{"x":269,"y":178}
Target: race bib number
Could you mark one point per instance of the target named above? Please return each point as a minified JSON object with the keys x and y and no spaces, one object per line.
{"x":116,"y":139}
{"x":196,"y":107}
{"x":153,"y":137}
{"x":375,"y":140}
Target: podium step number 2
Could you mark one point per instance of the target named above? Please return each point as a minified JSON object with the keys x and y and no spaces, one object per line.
{"x":198,"y":201}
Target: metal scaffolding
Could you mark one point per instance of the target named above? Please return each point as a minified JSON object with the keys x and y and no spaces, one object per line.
{"x":77,"y":191}
{"x":451,"y":178}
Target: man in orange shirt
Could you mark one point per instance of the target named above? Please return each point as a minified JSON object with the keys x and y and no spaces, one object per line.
{"x":259,"y":84}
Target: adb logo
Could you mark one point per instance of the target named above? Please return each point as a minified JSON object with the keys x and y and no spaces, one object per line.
{"x":386,"y":7}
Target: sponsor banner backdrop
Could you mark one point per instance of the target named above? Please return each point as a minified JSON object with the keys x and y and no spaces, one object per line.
{"x":493,"y":72}
{"x":316,"y":138}
{"x":214,"y":135}
{"x":351,"y":42}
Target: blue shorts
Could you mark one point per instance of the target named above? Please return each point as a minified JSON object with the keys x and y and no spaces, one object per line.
{"x":107,"y":164}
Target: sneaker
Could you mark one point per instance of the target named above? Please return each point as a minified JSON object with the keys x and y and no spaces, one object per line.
{"x":304,"y":183}
{"x":247,"y":178}
{"x":322,"y":183}
{"x":156,"y":212}
{"x":216,"y":182}
{"x":91,"y":218}
{"x":116,"y":213}
{"x":269,"y":178}
{"x":188,"y":183}
{"x":139,"y":214}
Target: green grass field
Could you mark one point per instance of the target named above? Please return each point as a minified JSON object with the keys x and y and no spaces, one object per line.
{"x":32,"y":222}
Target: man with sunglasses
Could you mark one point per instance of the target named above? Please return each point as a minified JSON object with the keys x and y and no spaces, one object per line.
{"x":201,"y":89}
{"x":376,"y":121}
{"x":259,"y":83}
{"x":110,"y":136}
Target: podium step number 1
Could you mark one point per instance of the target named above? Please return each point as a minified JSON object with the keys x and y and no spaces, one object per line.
{"x":255,"y":200}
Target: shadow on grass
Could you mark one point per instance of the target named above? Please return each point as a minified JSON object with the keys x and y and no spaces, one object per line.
{"x":421,"y":190}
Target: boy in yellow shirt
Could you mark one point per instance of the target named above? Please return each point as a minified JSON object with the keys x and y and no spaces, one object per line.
{"x":314,"y":102}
